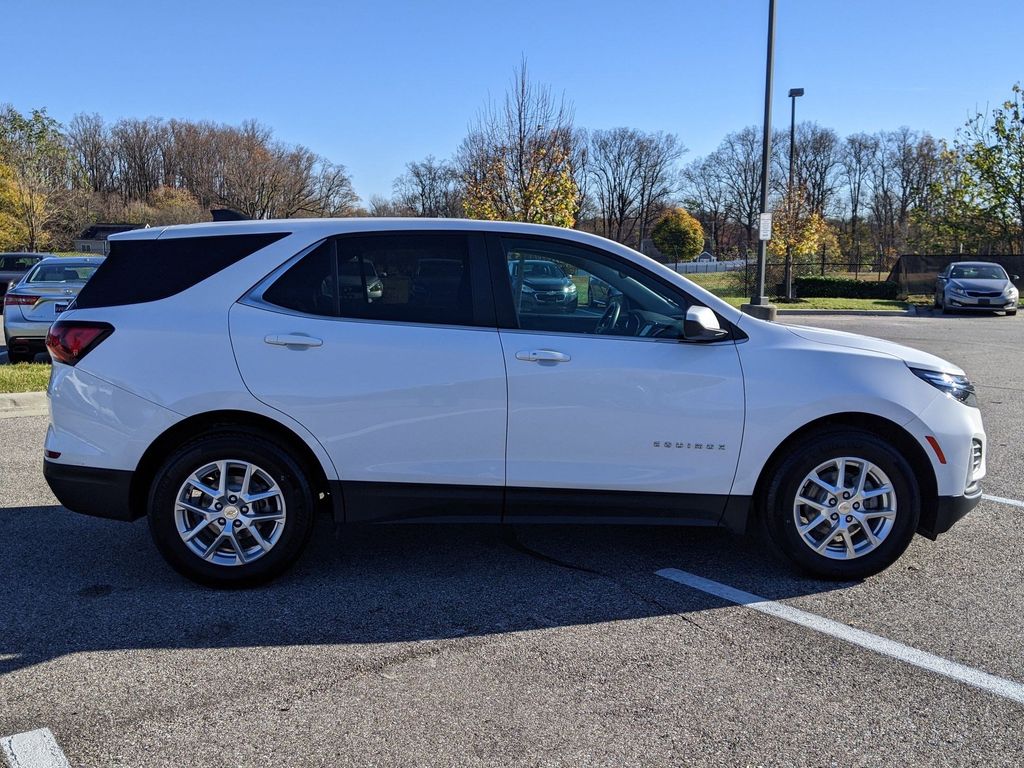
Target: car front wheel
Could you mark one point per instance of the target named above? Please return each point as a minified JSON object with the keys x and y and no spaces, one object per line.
{"x":843,"y":505}
{"x":231,"y":509}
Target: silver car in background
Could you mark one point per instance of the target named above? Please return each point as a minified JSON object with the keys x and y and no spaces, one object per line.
{"x":976,"y":285}
{"x":35,"y":301}
{"x":13,"y":267}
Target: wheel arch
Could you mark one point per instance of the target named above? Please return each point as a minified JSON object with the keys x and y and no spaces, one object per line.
{"x":879,"y":426}
{"x":215,"y":421}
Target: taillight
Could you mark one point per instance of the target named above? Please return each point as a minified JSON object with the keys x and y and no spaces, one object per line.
{"x":19,"y":300}
{"x":71,"y":340}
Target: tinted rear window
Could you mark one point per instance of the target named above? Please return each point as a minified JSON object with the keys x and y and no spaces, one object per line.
{"x":70,"y":272}
{"x":422,"y":277}
{"x":137,"y":271}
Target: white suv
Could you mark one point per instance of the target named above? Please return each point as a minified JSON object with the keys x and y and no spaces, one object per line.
{"x":230,"y":380}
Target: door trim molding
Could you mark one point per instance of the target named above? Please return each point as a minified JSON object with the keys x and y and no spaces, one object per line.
{"x":385,"y":502}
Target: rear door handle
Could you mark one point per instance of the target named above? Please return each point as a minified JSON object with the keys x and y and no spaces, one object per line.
{"x":293,"y":340}
{"x":543,"y":356}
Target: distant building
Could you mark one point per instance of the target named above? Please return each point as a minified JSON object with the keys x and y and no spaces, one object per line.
{"x":94,"y":239}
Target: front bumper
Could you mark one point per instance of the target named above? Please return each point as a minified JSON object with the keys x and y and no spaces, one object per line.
{"x":948,"y":511}
{"x":91,"y":490}
{"x":991,"y":304}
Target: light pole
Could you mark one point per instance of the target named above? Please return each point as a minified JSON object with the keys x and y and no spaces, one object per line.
{"x":759,"y":304}
{"x":794,"y":93}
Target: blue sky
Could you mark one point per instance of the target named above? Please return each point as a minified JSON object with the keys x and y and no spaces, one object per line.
{"x":374,"y":85}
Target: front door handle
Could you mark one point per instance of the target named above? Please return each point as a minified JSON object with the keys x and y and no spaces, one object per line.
{"x":293,"y":340}
{"x":542,"y":356}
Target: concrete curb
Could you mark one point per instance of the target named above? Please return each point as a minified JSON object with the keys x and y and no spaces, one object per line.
{"x":23,"y":404}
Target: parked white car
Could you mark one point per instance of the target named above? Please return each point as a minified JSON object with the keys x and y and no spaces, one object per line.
{"x":211,"y":378}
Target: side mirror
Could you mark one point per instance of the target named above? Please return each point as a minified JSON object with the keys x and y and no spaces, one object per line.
{"x":1015,"y":278}
{"x":701,"y":324}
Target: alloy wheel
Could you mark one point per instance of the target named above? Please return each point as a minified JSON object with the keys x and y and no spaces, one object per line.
{"x":230,"y":512}
{"x":844,"y":508}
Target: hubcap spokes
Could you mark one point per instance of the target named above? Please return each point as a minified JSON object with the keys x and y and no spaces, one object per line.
{"x":844,"y":508}
{"x":230,"y":512}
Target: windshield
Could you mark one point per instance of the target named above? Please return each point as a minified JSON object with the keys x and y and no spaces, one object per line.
{"x":979,"y":272}
{"x":72,"y":272}
{"x":538,"y":269}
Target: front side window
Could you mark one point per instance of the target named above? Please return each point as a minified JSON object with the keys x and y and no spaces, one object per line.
{"x":413,"y":278}
{"x":563,"y":288}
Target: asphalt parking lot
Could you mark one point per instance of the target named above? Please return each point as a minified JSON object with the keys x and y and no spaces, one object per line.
{"x":420,"y":645}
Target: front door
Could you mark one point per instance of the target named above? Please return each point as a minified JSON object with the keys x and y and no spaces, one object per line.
{"x":611,"y":414}
{"x":385,"y":348}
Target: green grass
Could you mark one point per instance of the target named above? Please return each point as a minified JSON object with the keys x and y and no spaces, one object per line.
{"x":886,"y":305}
{"x":726,"y":286}
{"x":24,"y":377}
{"x":722,"y":284}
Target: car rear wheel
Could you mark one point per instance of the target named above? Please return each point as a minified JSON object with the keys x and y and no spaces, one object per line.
{"x":19,"y":357}
{"x":231,"y":509}
{"x":843,"y":505}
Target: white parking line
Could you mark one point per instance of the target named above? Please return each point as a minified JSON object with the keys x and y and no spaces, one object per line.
{"x":1008,"y":689}
{"x":1001,"y":500}
{"x":33,"y":749}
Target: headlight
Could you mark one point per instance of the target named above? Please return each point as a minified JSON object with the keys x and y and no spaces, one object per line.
{"x":570,"y":288}
{"x":527,"y":290}
{"x":1009,"y":290}
{"x":957,"y":290}
{"x":957,"y":387}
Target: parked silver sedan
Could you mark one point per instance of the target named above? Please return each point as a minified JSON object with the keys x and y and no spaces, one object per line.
{"x":976,"y":285}
{"x":35,"y":301}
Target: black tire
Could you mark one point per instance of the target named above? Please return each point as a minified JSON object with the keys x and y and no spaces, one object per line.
{"x":787,"y":475}
{"x":1011,"y":313}
{"x":936,"y":304}
{"x":19,"y":357}
{"x":245,"y":446}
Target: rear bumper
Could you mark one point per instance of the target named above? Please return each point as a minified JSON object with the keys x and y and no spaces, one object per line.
{"x":26,"y":345}
{"x":91,"y":490}
{"x":948,"y":511}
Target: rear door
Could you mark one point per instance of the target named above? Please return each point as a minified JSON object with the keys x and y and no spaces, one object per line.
{"x":385,"y":347}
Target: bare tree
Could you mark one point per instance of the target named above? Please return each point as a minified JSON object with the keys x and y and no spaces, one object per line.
{"x":658,"y":155}
{"x":429,"y":188}
{"x":632,"y":176}
{"x":137,"y":156}
{"x":706,"y":196}
{"x":739,"y":157}
{"x":91,"y":144}
{"x":615,"y":181}
{"x":817,"y":166}
{"x":858,"y":156}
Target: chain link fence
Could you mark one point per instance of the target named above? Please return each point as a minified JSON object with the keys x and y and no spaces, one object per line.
{"x":745,"y":277}
{"x":916,"y":273}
